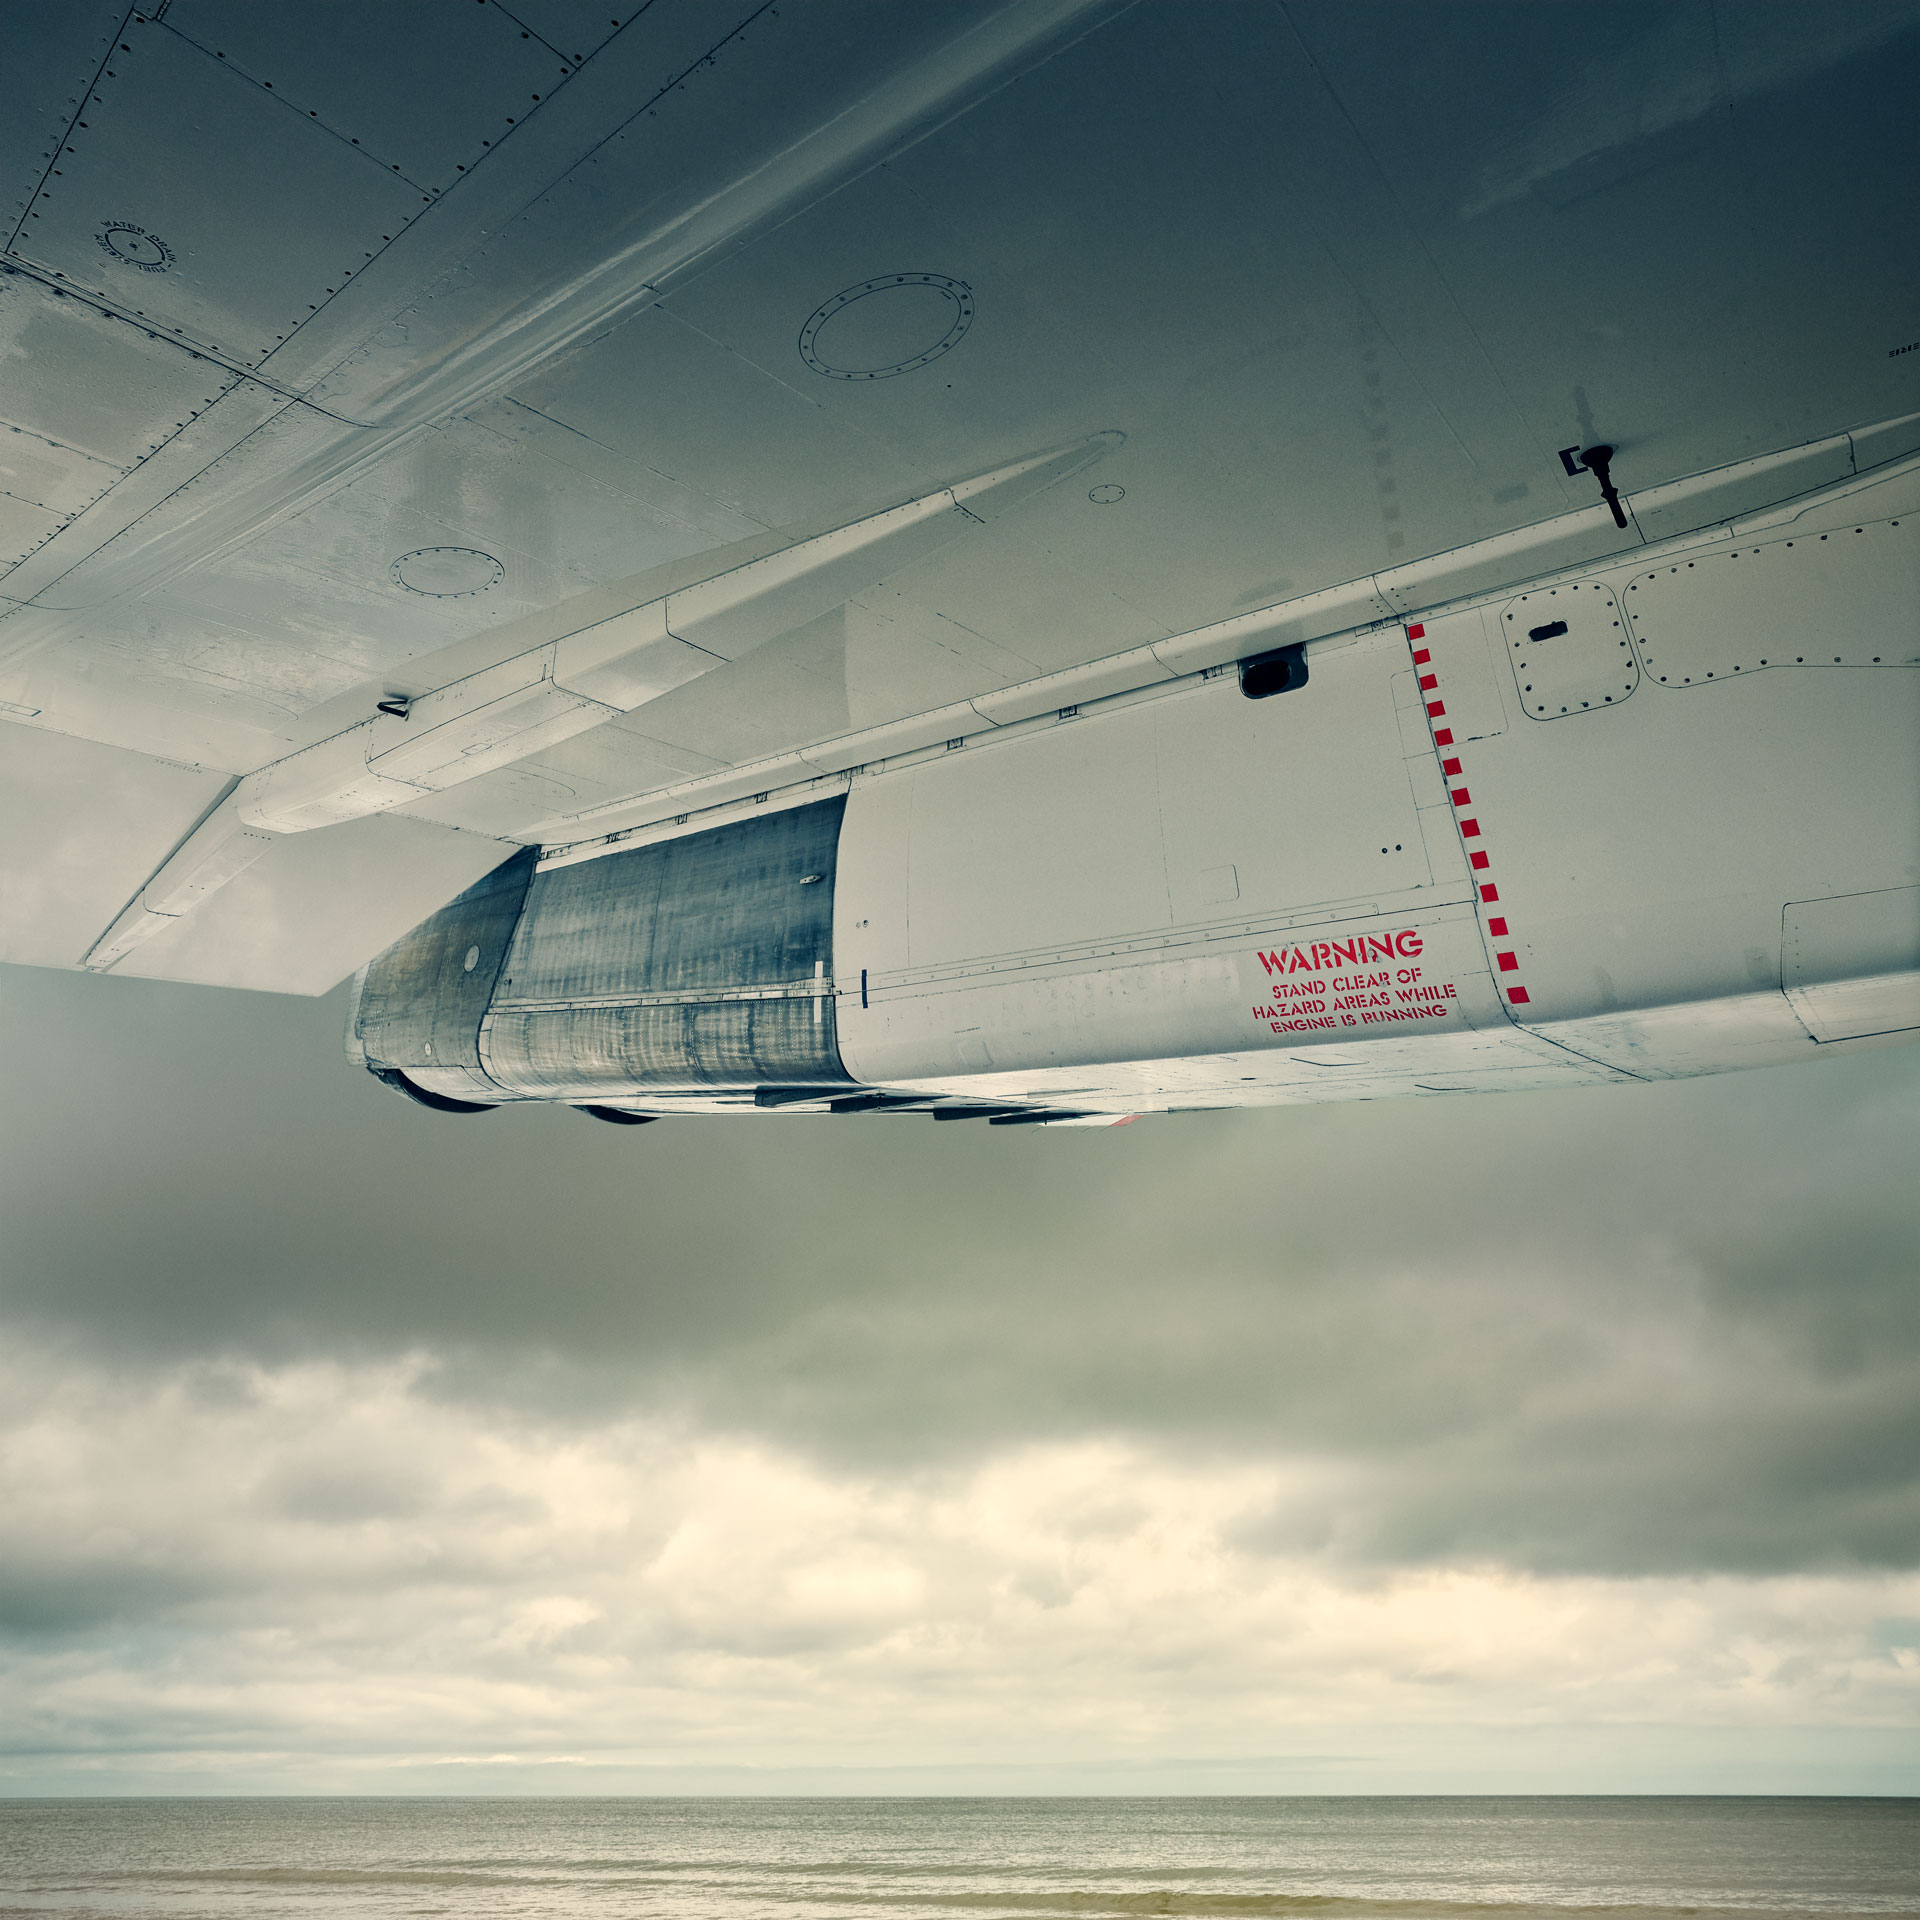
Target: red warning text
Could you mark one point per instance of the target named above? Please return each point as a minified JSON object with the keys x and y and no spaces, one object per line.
{"x":1365,"y":996}
{"x":1360,"y":951}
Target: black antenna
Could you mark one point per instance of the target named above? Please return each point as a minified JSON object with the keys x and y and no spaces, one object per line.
{"x":1598,"y":461}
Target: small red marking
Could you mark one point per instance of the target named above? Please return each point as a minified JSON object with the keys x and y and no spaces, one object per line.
{"x":1421,"y":657}
{"x":1469,"y":829}
{"x":1416,"y":633}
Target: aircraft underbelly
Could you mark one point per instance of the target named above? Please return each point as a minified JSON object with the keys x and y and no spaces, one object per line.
{"x":1508,"y":845}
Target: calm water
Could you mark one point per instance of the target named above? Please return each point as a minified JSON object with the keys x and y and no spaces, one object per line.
{"x":914,"y":1859}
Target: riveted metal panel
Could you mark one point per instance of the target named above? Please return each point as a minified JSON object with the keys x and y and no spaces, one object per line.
{"x":1844,"y":598}
{"x":22,"y":528}
{"x":59,"y":479}
{"x":424,"y":89}
{"x":574,"y":28}
{"x":1568,"y":649}
{"x":233,"y":240}
{"x":102,"y":390}
{"x":53,"y":52}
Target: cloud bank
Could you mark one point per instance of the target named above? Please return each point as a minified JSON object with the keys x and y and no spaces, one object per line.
{"x":340,"y":1441}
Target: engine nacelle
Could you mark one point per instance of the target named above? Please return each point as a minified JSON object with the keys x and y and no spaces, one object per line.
{"x":697,"y":965}
{"x":1638,"y":822}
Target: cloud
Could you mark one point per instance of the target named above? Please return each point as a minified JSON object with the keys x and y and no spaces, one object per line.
{"x":1660,"y":1329}
{"x":332,"y":1427}
{"x":643,"y":1592}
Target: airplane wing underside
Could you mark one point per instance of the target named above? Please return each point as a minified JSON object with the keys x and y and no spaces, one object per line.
{"x":432,"y":432}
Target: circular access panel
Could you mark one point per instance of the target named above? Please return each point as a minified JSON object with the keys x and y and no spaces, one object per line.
{"x":446,"y":573}
{"x":890,"y":324}
{"x":134,"y":246}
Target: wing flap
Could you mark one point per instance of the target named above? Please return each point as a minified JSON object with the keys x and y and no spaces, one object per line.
{"x":314,"y":906}
{"x":82,"y":826}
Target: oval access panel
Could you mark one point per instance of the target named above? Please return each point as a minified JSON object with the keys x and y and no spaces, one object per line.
{"x":891,"y":324}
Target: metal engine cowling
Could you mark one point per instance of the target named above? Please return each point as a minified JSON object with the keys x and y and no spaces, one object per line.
{"x":698,"y":964}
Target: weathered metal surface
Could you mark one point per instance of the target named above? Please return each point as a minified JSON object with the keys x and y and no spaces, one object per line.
{"x":705,"y":962}
{"x":640,"y":1050}
{"x":421,"y":1002}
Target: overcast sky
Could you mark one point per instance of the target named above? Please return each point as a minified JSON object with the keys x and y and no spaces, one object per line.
{"x":1557,"y":1441}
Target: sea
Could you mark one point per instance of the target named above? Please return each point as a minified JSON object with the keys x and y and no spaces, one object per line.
{"x":947,"y":1859}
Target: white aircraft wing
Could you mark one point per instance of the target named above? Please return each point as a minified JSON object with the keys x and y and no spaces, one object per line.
{"x":436,"y":429}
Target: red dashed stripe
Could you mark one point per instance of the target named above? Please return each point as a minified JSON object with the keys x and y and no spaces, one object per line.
{"x":1506,"y":960}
